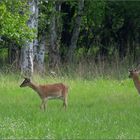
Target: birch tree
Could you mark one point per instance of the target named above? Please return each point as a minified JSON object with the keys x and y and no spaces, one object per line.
{"x":27,"y":49}
{"x":35,"y":41}
{"x":39,"y":43}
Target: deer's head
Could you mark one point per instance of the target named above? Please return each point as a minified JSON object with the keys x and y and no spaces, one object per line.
{"x":25,"y":83}
{"x":133,"y":73}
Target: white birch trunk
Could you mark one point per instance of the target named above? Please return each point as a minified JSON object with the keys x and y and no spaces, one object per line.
{"x":35,"y":43}
{"x":27,"y":49}
{"x":39,"y":46}
{"x":27,"y":59}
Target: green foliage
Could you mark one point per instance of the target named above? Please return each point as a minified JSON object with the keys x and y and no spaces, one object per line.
{"x":2,"y":10}
{"x":44,"y":16}
{"x":109,"y":26}
{"x":93,"y":51}
{"x":3,"y":55}
{"x":94,"y":13}
{"x":80,"y":53}
{"x":13,"y":23}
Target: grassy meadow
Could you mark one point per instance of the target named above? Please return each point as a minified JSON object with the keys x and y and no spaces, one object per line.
{"x":97,"y":109}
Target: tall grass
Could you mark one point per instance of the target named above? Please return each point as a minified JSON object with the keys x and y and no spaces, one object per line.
{"x":84,"y":67}
{"x":97,"y":109}
{"x":100,"y":67}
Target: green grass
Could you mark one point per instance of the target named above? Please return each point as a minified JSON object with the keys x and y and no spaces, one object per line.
{"x":97,"y":109}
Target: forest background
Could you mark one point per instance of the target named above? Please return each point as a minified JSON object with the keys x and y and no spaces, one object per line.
{"x":85,"y":37}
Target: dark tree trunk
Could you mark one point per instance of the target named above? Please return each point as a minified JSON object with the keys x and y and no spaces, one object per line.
{"x":13,"y":55}
{"x":66,"y":35}
{"x":55,"y":33}
{"x":39,"y":59}
{"x":75,"y":32}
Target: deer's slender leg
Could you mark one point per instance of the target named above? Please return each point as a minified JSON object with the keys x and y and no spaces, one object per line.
{"x":65,"y":103}
{"x":45,"y":103}
{"x":42,"y":105}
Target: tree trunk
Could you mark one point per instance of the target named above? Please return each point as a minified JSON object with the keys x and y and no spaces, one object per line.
{"x":13,"y":55}
{"x":27,"y":49}
{"x":75,"y":32}
{"x":35,"y":42}
{"x":55,"y":33}
{"x":39,"y":62}
{"x":39,"y":47}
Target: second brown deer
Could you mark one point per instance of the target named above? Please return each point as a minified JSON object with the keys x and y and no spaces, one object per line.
{"x":134,"y":74}
{"x":48,"y":91}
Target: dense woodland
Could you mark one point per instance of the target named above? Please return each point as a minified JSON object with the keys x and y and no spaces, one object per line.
{"x":45,"y":35}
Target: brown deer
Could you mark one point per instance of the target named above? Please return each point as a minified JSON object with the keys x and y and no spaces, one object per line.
{"x":48,"y":91}
{"x":134,"y":74}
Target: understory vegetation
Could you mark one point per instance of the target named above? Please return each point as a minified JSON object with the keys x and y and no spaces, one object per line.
{"x":35,"y":34}
{"x":100,"y":108}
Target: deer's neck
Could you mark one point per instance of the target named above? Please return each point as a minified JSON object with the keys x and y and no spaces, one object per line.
{"x":136,"y":79}
{"x":137,"y":83}
{"x":34,"y":87}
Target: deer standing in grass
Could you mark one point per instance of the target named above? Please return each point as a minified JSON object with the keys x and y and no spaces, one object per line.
{"x":134,"y":74}
{"x":48,"y":91}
